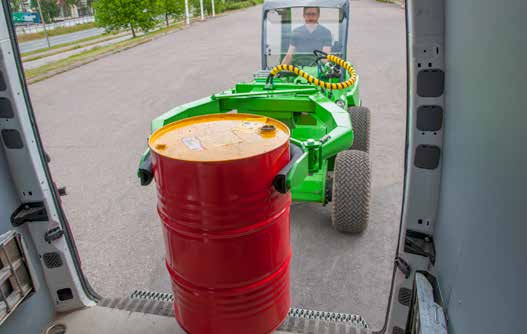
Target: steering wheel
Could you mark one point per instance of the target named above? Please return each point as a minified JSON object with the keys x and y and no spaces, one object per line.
{"x":332,"y":70}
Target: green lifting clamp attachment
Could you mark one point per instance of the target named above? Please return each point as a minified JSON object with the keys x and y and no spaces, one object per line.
{"x":314,"y":154}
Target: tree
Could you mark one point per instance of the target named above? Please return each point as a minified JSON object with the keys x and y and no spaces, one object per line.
{"x":50,"y":9}
{"x":170,"y":8}
{"x":125,"y":14}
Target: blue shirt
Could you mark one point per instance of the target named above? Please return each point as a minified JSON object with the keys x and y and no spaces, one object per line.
{"x":305,"y":41}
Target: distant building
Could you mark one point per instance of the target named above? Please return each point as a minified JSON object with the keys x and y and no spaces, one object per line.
{"x":82,"y":8}
{"x":85,"y":8}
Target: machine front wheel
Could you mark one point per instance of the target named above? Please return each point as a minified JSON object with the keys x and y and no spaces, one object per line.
{"x":360,"y":121}
{"x":351,"y":191}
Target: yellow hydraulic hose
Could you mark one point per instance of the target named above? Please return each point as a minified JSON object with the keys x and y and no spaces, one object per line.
{"x":311,"y":79}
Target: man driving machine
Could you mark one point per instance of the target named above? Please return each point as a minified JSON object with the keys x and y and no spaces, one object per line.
{"x":307,"y":38}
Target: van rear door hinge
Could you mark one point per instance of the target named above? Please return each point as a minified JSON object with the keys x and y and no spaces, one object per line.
{"x":403,"y":266}
{"x":29,"y":212}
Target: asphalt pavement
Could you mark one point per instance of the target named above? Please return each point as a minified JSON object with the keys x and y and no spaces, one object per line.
{"x":94,"y":121}
{"x":60,"y":39}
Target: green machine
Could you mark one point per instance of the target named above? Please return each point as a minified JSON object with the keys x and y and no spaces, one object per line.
{"x":316,"y":93}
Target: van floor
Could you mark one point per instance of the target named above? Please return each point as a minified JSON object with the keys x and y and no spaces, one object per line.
{"x":135,"y":316}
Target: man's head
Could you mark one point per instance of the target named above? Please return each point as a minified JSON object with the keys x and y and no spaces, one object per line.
{"x":311,"y":15}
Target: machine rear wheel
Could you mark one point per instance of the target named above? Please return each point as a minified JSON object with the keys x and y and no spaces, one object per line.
{"x":351,"y":191}
{"x":360,"y":120}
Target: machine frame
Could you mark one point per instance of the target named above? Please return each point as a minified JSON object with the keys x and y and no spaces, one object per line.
{"x":321,"y":121}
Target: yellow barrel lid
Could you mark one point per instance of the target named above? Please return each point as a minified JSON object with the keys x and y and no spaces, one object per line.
{"x":219,"y":137}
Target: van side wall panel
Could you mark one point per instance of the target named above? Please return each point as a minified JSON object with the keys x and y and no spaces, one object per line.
{"x":482,"y":254}
{"x":32,"y":315}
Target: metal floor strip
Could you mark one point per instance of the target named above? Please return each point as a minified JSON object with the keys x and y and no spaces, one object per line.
{"x":298,"y":320}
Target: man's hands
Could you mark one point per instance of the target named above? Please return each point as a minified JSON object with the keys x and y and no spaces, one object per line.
{"x":288,"y":59}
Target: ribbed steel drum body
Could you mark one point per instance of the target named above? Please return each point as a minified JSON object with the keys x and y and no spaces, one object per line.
{"x":226,"y":228}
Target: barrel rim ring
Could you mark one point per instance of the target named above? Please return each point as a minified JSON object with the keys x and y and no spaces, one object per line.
{"x":179,"y":123}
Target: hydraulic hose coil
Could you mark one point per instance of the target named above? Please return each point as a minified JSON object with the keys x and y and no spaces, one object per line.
{"x":311,"y":79}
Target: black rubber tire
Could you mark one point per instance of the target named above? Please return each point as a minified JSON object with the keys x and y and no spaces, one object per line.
{"x":360,"y":121}
{"x":351,"y":191}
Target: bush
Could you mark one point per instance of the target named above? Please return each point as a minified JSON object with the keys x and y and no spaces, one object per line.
{"x":225,"y":5}
{"x":233,"y":5}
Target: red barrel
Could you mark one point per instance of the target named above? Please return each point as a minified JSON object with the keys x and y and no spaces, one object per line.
{"x":226,"y":228}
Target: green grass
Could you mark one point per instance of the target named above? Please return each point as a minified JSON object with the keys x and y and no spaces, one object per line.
{"x":48,"y":70}
{"x":42,"y":72}
{"x":163,"y":30}
{"x":54,"y":32}
{"x":58,"y":46}
{"x":43,"y":53}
